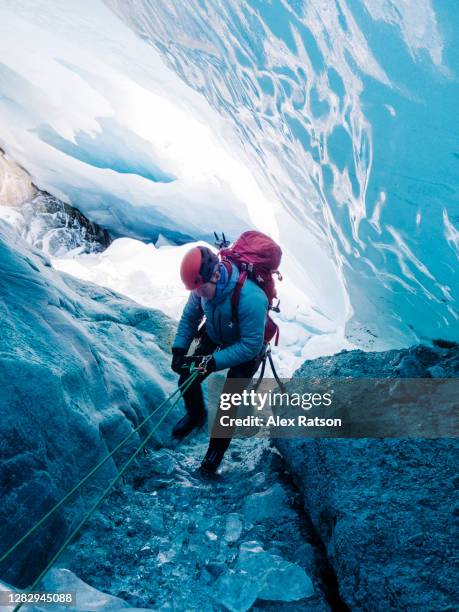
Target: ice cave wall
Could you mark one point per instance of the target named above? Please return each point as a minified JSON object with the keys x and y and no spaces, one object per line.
{"x":348,"y":109}
{"x":79,"y":367}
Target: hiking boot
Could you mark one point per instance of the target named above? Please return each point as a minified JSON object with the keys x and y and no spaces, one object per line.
{"x":187,"y":423}
{"x":211,"y":461}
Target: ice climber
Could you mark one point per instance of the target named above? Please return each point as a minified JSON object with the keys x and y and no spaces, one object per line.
{"x":234,"y":340}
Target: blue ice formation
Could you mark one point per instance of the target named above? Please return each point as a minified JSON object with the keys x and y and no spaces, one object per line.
{"x":330,"y":125}
{"x":80,"y":366}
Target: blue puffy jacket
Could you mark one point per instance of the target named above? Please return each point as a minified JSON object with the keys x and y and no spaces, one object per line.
{"x":241,"y":340}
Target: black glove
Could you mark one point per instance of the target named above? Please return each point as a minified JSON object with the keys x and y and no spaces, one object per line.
{"x":178,"y":359}
{"x":208,"y":367}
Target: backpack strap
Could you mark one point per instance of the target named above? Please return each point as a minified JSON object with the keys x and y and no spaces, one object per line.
{"x":235,"y":302}
{"x":228,"y":265}
{"x":276,"y":337}
{"x":236,"y":295}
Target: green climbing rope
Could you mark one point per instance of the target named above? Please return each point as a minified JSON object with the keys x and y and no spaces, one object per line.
{"x":107,"y":490}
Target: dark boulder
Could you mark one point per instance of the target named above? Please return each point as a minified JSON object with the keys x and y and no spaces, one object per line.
{"x":385,"y":509}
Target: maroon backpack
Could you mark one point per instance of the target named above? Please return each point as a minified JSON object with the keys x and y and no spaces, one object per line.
{"x":257,"y":257}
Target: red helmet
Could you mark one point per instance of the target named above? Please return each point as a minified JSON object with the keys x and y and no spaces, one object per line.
{"x":197,"y":267}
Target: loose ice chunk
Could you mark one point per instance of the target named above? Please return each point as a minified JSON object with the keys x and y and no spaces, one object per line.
{"x":278,"y":579}
{"x":237,"y":591}
{"x":269,"y":504}
{"x":261,"y":575}
{"x":233,"y":527}
{"x":87,"y":598}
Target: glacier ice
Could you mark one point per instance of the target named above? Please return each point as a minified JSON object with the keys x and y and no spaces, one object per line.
{"x":328,"y":126}
{"x":236,"y":591}
{"x":233,"y":527}
{"x":183,"y":171}
{"x":87,"y":598}
{"x":261,"y":575}
{"x":279,"y":579}
{"x":161,"y":542}
{"x":348,"y":107}
{"x":54,"y":227}
{"x":97,"y":365}
{"x":268,"y":504}
{"x":143,"y":104}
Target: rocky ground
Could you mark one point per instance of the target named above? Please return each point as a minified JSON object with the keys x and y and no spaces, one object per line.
{"x":170,"y":539}
{"x":329,"y":524}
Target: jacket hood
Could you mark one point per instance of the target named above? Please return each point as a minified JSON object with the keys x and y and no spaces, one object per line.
{"x":228,"y":288}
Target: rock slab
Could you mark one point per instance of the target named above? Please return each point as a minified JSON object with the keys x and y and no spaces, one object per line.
{"x":386,"y":510}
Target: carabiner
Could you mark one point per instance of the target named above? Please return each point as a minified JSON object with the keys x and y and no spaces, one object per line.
{"x":202,"y":367}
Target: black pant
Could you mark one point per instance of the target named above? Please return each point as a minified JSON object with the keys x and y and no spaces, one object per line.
{"x":194,"y":398}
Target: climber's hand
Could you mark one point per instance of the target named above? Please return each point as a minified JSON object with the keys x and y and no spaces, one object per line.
{"x":178,"y":359}
{"x":203,"y":363}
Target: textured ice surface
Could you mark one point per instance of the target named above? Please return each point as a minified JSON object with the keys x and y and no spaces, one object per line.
{"x":236,"y":591}
{"x":384,"y":507}
{"x":329,"y":125}
{"x":55,"y":227}
{"x":348,"y":109}
{"x":88,"y":598}
{"x":80,"y":367}
{"x":182,"y":169}
{"x":279,"y":579}
{"x":269,"y":504}
{"x":261,"y":575}
{"x":233,"y":527}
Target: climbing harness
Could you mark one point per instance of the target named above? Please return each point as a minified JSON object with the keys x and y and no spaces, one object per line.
{"x":181,"y":390}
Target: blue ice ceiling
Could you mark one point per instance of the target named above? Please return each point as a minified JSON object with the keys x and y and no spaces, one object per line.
{"x":350,"y":108}
{"x":330,"y":123}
